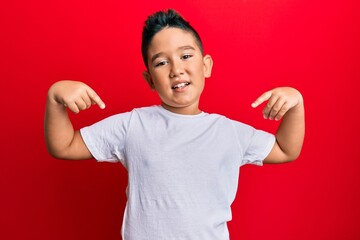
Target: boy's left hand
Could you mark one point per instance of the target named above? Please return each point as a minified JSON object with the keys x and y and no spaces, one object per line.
{"x":280,"y":101}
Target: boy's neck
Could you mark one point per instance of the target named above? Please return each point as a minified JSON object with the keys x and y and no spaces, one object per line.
{"x":188,"y":110}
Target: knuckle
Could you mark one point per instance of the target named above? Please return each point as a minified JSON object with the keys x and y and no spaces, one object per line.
{"x":276,"y":108}
{"x":82,"y":106}
{"x":282,"y":111}
{"x":68,"y":100}
{"x":79,"y":103}
{"x":92,"y":94}
{"x":285,"y":108}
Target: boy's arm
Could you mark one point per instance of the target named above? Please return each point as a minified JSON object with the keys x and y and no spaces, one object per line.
{"x":61,"y":139}
{"x":286,"y":103}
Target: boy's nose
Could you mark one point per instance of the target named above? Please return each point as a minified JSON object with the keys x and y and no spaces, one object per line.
{"x":176,"y":70}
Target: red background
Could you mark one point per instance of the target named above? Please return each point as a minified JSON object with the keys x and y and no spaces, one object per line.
{"x":256,"y":45}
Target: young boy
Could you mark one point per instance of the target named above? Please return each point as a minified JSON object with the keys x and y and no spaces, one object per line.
{"x":183,"y":164}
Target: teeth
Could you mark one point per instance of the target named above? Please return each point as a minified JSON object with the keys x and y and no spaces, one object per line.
{"x":180,"y":85}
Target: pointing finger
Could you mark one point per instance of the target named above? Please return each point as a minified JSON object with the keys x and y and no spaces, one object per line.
{"x":264,"y":97}
{"x":95,"y":98}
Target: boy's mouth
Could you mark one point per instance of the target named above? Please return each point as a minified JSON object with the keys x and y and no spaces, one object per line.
{"x":180,"y":85}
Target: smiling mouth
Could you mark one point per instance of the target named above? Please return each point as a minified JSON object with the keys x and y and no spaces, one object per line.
{"x":180,"y":85}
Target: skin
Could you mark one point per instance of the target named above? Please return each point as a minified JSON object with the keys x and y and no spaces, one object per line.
{"x":174,"y":58}
{"x":61,"y":139}
{"x":287,"y":104}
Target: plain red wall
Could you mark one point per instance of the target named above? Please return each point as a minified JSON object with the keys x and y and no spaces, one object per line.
{"x":256,"y":45}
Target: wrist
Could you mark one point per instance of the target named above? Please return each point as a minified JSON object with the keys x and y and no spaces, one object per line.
{"x":53,"y":103}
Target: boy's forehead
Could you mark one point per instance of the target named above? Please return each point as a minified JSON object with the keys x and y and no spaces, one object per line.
{"x":171,"y":38}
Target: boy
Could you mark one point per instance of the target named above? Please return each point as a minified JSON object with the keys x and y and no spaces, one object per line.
{"x":183,"y":164}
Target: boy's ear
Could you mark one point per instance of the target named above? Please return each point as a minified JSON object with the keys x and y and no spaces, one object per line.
{"x":208,"y":64}
{"x":146,"y":75}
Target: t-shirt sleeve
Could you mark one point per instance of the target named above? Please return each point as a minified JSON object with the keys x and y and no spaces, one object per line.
{"x":255,"y":144}
{"x":106,"y":139}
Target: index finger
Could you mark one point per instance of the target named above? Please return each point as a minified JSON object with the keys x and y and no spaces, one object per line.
{"x":264,"y":97}
{"x":95,"y":98}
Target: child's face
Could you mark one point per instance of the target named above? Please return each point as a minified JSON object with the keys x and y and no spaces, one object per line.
{"x":177,"y":70}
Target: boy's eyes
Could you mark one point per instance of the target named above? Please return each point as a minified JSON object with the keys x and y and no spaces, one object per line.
{"x":186,"y":56}
{"x":160,"y":64}
{"x":164,"y":62}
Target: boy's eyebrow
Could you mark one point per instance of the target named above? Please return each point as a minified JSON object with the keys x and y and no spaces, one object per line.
{"x":155,"y":56}
{"x":186,"y":47}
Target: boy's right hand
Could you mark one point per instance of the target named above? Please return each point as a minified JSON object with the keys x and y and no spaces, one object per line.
{"x":74,"y":95}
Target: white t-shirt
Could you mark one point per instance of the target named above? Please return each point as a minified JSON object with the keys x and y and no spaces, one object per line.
{"x":183,"y":169}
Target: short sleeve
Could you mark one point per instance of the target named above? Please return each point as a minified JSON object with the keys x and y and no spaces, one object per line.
{"x":261,"y":143}
{"x":255,"y":144}
{"x":106,"y":139}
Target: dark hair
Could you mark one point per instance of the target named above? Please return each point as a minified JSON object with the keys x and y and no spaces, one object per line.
{"x":160,"y":20}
